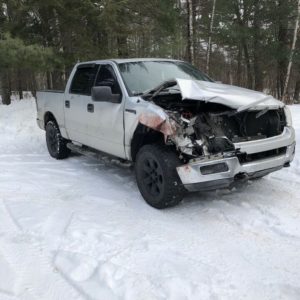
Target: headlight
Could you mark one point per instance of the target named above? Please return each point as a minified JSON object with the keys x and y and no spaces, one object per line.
{"x":288,"y":116}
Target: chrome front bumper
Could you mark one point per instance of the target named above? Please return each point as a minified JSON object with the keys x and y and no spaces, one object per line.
{"x":194,"y":180}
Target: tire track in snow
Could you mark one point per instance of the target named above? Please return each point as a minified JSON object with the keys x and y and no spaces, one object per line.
{"x":26,"y":256}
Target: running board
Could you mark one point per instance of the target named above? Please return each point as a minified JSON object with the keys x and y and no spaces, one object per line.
{"x":98,"y":155}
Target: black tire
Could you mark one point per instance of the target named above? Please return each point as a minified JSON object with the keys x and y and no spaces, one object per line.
{"x":56,"y":144}
{"x":157,"y":178}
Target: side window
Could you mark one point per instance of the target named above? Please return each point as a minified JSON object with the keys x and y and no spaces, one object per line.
{"x":107,"y":77}
{"x":83,"y":80}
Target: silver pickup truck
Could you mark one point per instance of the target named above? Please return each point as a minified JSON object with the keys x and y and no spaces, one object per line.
{"x":181,"y":130}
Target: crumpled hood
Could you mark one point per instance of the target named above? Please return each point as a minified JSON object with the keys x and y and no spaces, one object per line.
{"x":231,"y":96}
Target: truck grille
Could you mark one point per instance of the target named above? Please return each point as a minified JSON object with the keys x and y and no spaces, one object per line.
{"x":244,"y":157}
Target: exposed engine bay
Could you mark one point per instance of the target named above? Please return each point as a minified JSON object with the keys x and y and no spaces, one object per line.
{"x":203,"y":128}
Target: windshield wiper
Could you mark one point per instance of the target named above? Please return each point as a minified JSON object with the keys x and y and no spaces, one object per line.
{"x":156,"y":91}
{"x":138,"y":94}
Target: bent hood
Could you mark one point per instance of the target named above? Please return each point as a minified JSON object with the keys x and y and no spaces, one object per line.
{"x":231,"y":96}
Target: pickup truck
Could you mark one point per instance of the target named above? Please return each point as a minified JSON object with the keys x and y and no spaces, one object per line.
{"x":179,"y":129}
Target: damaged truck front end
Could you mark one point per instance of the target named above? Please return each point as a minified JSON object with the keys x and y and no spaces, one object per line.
{"x":220,"y":135}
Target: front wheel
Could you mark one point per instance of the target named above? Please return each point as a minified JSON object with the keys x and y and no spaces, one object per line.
{"x":56,"y":144}
{"x":157,"y":177}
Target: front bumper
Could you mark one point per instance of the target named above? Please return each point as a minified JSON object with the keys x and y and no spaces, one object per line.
{"x":193,"y":178}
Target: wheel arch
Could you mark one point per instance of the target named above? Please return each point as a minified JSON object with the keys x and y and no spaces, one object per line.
{"x":49,"y":116}
{"x":142,"y":136}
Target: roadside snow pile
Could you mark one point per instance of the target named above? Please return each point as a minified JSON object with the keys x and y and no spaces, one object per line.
{"x":79,"y":229}
{"x":18,"y":126}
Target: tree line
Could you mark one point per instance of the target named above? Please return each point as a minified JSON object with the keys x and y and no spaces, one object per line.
{"x":249,"y":43}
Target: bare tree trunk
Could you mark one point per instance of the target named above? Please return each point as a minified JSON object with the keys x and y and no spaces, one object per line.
{"x":208,"y":53}
{"x":258,"y":73}
{"x":191,"y":46}
{"x":6,"y":89}
{"x":290,"y":64}
{"x":248,"y":65}
{"x":297,"y":92}
{"x":33,"y":84}
{"x":20,"y":84}
{"x":122,"y":46}
{"x":239,"y":67}
{"x":49,"y":80}
{"x":282,"y":37}
{"x":244,"y":44}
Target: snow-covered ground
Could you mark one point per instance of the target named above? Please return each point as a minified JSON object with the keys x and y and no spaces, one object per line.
{"x":79,"y":229}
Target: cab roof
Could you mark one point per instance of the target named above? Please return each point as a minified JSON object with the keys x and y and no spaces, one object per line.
{"x":127,"y":60}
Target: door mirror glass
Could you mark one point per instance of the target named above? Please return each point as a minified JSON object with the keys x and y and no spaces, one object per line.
{"x":104,"y":94}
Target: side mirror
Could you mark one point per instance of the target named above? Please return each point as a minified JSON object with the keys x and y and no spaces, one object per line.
{"x":104,"y":94}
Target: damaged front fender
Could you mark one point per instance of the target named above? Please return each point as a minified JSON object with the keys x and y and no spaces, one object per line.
{"x":157,"y":119}
{"x":172,"y":127}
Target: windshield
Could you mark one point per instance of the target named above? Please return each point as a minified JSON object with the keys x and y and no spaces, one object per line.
{"x":143,"y":76}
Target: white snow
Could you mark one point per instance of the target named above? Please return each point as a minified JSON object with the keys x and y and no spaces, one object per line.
{"x":79,"y":229}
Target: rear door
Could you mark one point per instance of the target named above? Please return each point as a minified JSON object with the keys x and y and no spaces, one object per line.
{"x":77,"y":98}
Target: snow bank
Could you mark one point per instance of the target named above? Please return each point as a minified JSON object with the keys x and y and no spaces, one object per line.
{"x":79,"y":229}
{"x":18,"y":128}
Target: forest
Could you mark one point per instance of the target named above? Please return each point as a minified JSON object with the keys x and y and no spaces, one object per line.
{"x":248,"y":43}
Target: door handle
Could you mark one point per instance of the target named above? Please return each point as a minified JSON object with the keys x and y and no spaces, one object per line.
{"x":67,"y":104}
{"x":132,"y":111}
{"x":90,"y":108}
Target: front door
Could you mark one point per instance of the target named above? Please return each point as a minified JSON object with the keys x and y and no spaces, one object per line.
{"x":105,"y":122}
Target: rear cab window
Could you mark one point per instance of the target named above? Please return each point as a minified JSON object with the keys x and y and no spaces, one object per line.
{"x":84,"y":79}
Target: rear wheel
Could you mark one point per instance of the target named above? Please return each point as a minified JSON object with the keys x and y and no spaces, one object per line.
{"x":56,"y":144}
{"x":157,"y":177}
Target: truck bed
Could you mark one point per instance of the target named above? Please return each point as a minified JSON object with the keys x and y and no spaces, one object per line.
{"x":50,"y":101}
